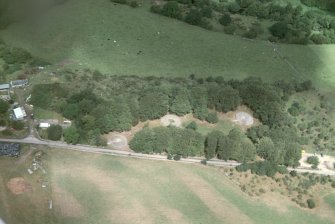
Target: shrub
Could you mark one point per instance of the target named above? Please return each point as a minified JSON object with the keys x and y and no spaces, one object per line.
{"x":207,"y":12}
{"x":310,"y":203}
{"x":212,"y":118}
{"x":250,"y":34}
{"x":177,"y":157}
{"x":17,"y":125}
{"x":314,"y":160}
{"x":230,"y":29}
{"x":279,"y":30}
{"x":234,"y":7}
{"x":171,"y":9}
{"x":55,"y":132}
{"x":192,"y":126}
{"x":169,"y":157}
{"x":133,"y":4}
{"x":194,"y":17}
{"x":119,"y":1}
{"x":293,"y":173}
{"x":319,"y":39}
{"x":225,"y":19}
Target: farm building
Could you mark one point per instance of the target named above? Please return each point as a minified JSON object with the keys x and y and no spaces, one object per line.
{"x":19,"y":113}
{"x":9,"y":149}
{"x":4,"y":87}
{"x":19,"y":83}
{"x":44,"y":125}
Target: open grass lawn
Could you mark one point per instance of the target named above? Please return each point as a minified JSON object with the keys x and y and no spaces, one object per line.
{"x":88,"y":188}
{"x":30,"y":207}
{"x":118,"y":39}
{"x":330,"y":200}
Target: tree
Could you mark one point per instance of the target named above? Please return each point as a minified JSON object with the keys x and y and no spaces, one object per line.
{"x":153,"y":105}
{"x":143,"y":141}
{"x":118,"y":115}
{"x":207,"y":12}
{"x":279,"y":30}
{"x":71,"y":111}
{"x":181,"y":104}
{"x":314,"y":160}
{"x":212,"y":118}
{"x":236,"y":146}
{"x":310,"y":203}
{"x":267,"y":150}
{"x":211,"y":144}
{"x":94,"y":138}
{"x":71,"y":135}
{"x":192,"y":125}
{"x":55,"y":132}
{"x":4,"y":106}
{"x":223,"y":98}
{"x":198,"y":101}
{"x":171,"y":9}
{"x":194,"y":17}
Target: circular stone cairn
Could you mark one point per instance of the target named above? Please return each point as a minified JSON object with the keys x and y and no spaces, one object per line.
{"x":244,"y":118}
{"x":118,"y":141}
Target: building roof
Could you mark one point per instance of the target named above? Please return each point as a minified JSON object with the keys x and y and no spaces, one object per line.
{"x":44,"y":125}
{"x":4,"y":86}
{"x":19,"y":82}
{"x":9,"y":149}
{"x":19,"y":113}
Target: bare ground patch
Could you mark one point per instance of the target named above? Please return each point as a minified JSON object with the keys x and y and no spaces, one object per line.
{"x":19,"y":185}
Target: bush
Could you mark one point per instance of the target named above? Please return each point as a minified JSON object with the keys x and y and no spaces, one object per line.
{"x":133,"y":4}
{"x":310,"y":203}
{"x":234,"y":7}
{"x":212,"y":118}
{"x":55,"y":132}
{"x":207,"y":12}
{"x":194,"y":17}
{"x":192,"y":126}
{"x":17,"y":125}
{"x":250,"y":34}
{"x":171,"y":9}
{"x":177,"y":157}
{"x":230,"y":29}
{"x":314,"y":160}
{"x":225,"y":19}
{"x":279,"y":30}
{"x":119,"y":1}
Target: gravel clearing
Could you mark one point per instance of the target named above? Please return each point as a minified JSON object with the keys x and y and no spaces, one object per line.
{"x":171,"y":119}
{"x":118,"y":141}
{"x":244,"y":118}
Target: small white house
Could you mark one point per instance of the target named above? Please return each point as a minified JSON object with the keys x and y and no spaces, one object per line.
{"x":44,"y":125}
{"x":19,"y":113}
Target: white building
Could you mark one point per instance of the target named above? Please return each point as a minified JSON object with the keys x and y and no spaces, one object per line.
{"x":44,"y":125}
{"x":19,"y":113}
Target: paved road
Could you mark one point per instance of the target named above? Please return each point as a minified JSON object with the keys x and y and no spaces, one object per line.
{"x":91,"y":149}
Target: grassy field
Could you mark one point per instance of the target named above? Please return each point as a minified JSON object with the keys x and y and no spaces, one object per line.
{"x":330,"y":200}
{"x":108,"y":37}
{"x":89,"y":188}
{"x":118,"y":39}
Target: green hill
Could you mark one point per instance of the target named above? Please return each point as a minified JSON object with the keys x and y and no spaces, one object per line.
{"x":118,"y":39}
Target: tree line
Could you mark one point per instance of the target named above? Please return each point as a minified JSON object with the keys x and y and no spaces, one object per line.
{"x":133,"y":99}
